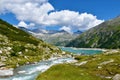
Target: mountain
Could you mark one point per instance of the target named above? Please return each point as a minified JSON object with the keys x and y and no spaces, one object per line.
{"x":78,"y":32}
{"x":18,"y":47}
{"x":55,"y":37}
{"x":105,"y":35}
{"x":24,"y":29}
{"x":58,"y":38}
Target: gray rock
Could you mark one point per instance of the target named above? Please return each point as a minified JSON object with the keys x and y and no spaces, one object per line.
{"x":81,"y":63}
{"x":116,"y":77}
{"x":106,"y":62}
{"x":8,"y":72}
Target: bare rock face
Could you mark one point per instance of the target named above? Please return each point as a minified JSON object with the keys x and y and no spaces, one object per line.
{"x":116,"y":77}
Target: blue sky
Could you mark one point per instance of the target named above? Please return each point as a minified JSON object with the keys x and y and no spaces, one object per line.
{"x":59,"y":14}
{"x":103,"y":9}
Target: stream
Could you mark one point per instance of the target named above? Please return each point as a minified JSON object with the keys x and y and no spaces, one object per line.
{"x":31,"y":71}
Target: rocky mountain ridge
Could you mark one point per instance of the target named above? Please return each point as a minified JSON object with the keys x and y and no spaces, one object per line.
{"x":105,"y":35}
{"x":55,"y":37}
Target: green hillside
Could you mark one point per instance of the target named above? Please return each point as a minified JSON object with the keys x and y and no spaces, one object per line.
{"x":104,"y":66}
{"x":18,"y":47}
{"x":105,"y":35}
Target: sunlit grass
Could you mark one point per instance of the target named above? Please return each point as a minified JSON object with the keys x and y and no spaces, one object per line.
{"x":98,"y":67}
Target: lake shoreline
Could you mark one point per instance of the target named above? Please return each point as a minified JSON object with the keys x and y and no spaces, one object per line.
{"x":102,"y":49}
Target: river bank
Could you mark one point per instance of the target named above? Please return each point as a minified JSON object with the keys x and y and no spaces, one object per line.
{"x":30,"y":72}
{"x":104,"y":66}
{"x":4,"y":70}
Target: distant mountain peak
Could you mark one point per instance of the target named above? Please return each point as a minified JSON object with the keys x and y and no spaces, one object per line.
{"x":118,"y":16}
{"x":78,"y":32}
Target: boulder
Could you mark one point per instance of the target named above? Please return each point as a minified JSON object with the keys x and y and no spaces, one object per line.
{"x":6,"y":72}
{"x":116,"y":77}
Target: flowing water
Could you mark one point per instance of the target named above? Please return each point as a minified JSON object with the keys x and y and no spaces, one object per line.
{"x":30,"y":72}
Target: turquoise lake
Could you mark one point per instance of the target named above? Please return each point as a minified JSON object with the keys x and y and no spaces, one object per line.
{"x":81,"y":51}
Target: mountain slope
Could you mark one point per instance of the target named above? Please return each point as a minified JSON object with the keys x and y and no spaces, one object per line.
{"x":105,"y":35}
{"x":55,"y":37}
{"x":18,"y":47}
{"x":58,"y":38}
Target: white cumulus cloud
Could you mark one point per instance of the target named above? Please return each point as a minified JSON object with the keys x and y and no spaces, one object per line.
{"x":73,"y":19}
{"x":23,"y":24}
{"x":36,"y":11}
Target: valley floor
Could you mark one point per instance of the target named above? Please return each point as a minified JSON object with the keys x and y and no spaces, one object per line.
{"x":104,"y":66}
